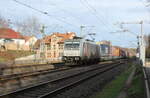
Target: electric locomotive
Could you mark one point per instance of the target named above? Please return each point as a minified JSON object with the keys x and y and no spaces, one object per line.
{"x":80,"y":51}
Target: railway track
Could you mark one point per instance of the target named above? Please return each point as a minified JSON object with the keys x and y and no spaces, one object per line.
{"x":4,"y":78}
{"x":52,"y":87}
{"x":8,"y":77}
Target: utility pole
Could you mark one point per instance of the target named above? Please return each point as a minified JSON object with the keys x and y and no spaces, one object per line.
{"x":42,"y":44}
{"x":142,"y":46}
{"x":141,"y":41}
{"x":81,"y":32}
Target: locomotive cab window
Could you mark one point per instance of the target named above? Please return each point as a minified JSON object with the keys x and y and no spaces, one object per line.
{"x":75,"y":45}
{"x":71,"y":46}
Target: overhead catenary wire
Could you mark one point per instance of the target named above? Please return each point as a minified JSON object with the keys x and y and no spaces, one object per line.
{"x":101,"y":14}
{"x":45,"y":13}
{"x":137,"y":18}
{"x":99,"y":19}
{"x":92,"y":11}
{"x":69,"y":13}
{"x":98,"y":13}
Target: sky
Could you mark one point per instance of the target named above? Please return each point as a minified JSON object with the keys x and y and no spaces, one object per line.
{"x":98,"y":16}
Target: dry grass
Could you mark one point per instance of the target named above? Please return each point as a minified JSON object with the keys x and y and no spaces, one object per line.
{"x":11,"y":55}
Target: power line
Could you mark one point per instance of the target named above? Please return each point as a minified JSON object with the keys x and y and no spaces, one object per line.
{"x":96,"y":12}
{"x":93,"y":11}
{"x":77,"y":18}
{"x":100,"y":13}
{"x":45,"y":13}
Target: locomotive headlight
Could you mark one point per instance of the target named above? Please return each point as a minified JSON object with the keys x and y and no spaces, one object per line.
{"x":76,"y":58}
{"x":64,"y":58}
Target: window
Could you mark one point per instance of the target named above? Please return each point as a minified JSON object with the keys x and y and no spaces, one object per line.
{"x":48,"y":54}
{"x":75,"y":45}
{"x":48,"y":47}
{"x":54,"y":39}
{"x":8,"y":40}
{"x":54,"y":54}
{"x":54,"y":46}
{"x":60,"y":54}
{"x":60,"y":46}
{"x":68,"y":46}
{"x":72,"y":46}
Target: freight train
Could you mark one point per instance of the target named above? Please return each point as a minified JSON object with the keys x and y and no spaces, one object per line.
{"x":83,"y":51}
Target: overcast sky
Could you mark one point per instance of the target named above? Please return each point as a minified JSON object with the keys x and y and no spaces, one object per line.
{"x":102,"y":14}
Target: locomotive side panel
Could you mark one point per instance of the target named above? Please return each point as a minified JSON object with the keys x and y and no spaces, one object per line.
{"x":90,"y":52}
{"x":86,"y":52}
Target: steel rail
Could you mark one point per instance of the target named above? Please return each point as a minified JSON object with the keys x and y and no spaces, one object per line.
{"x":63,"y":88}
{"x":4,"y":78}
{"x":55,"y":80}
{"x":32,"y":73}
{"x":146,"y":84}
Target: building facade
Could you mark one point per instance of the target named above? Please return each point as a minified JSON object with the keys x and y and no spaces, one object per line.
{"x":54,"y":45}
{"x":11,"y":40}
{"x":30,"y":42}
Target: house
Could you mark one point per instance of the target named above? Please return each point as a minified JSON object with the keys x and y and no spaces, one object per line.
{"x":11,"y":40}
{"x":54,"y":44}
{"x":29,"y":42}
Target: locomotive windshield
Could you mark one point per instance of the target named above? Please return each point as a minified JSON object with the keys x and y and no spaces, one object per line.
{"x":72,"y":45}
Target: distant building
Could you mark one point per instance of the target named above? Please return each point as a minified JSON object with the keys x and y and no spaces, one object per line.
{"x":11,"y":40}
{"x":29,"y":42}
{"x":54,"y":44}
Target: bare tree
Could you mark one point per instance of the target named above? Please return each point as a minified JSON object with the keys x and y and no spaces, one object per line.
{"x":30,"y":26}
{"x":3,"y":22}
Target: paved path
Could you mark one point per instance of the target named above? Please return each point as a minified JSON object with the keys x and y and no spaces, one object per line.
{"x":123,"y":93}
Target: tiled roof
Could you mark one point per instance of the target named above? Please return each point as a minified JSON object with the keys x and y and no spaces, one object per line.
{"x":9,"y":33}
{"x":26,"y":38}
{"x":64,"y":36}
{"x":47,"y":39}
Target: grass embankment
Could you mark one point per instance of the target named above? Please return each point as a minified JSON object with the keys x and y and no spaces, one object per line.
{"x":113,"y":89}
{"x":2,"y":59}
{"x":11,"y":55}
{"x":137,"y":88}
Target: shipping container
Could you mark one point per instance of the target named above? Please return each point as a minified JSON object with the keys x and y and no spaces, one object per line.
{"x":104,"y":50}
{"x":115,"y":51}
